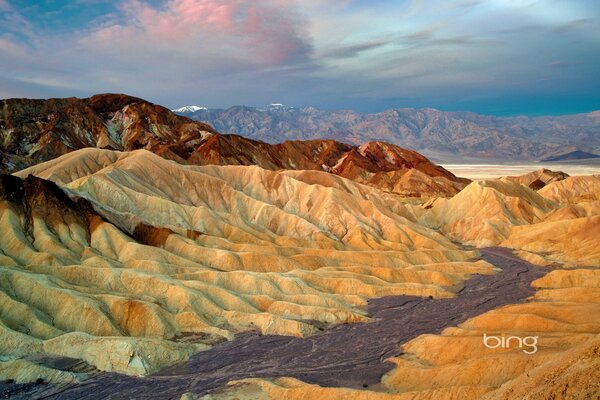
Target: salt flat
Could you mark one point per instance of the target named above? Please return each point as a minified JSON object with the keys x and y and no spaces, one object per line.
{"x":487,"y":171}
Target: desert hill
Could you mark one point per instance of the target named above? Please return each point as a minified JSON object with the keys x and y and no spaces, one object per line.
{"x":40,"y":130}
{"x":117,"y":257}
{"x":563,"y":314}
{"x":556,"y":226}
{"x":508,"y":213}
{"x":132,"y":261}
{"x":113,"y":255}
{"x":377,"y":164}
{"x":484,"y":213}
{"x":537,"y":179}
{"x":572,"y":155}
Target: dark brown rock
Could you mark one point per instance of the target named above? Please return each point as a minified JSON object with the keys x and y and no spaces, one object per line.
{"x":33,"y":131}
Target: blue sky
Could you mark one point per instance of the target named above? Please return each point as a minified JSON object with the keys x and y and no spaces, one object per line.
{"x":499,"y":57}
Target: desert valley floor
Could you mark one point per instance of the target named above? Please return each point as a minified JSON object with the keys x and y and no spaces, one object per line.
{"x":493,"y":170}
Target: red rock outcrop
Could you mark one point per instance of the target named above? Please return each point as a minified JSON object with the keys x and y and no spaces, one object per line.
{"x":34,"y":131}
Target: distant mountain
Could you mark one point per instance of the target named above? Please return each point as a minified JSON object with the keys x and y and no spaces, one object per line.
{"x":188,"y":109}
{"x":572,"y":155}
{"x":426,"y":130}
{"x":276,"y":107}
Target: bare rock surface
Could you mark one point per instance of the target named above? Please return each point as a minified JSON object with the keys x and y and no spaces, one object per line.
{"x":537,"y":179}
{"x":130,"y":261}
{"x":34,"y":131}
{"x":352,"y":355}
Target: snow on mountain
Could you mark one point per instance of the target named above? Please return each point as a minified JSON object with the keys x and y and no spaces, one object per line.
{"x":275,"y":107}
{"x":189,"y":109}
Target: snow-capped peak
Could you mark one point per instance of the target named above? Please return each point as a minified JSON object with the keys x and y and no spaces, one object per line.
{"x":189,"y":109}
{"x":275,"y":107}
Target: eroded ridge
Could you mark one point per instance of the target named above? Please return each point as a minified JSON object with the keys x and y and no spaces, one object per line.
{"x":349,"y":355}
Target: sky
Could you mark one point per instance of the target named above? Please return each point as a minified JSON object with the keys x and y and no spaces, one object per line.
{"x":501,"y":57}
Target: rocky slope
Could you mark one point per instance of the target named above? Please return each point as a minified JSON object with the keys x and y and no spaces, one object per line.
{"x":32,"y":131}
{"x":537,"y":179}
{"x":111,"y":257}
{"x":555,"y":225}
{"x":378,"y":164}
{"x":463,"y":133}
{"x":324,"y":359}
{"x":563,"y":315}
{"x":131,"y":261}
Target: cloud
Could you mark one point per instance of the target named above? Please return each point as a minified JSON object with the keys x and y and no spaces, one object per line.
{"x":161,"y":51}
{"x":259,"y":33}
{"x":355,"y":49}
{"x":466,"y":4}
{"x":13,"y":24}
{"x":431,"y":36}
{"x":301,"y":52}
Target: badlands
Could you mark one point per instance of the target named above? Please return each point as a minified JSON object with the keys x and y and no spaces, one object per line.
{"x":137,"y":268}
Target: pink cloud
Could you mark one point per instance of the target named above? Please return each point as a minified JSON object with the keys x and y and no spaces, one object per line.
{"x":217,"y":13}
{"x":263,"y":32}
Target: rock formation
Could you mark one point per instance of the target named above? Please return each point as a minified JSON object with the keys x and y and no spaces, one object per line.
{"x":556,"y":224}
{"x":136,"y":238}
{"x":563,"y":316}
{"x":39,"y":130}
{"x":537,"y":179}
{"x":122,"y":253}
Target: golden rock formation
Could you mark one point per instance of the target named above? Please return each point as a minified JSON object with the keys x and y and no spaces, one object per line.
{"x":556,"y":226}
{"x":115,"y":258}
{"x":569,"y":234}
{"x":456,"y":364}
{"x":484,"y":213}
{"x":537,"y":179}
{"x":112,"y":257}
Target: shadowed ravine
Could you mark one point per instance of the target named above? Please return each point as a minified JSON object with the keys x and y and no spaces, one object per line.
{"x":350,"y":355}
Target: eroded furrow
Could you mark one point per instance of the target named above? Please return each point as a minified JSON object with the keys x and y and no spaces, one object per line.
{"x":349,"y":355}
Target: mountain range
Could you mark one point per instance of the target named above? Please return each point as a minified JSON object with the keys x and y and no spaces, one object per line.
{"x":427,"y":130}
{"x":573,"y":155}
{"x":33,"y":131}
